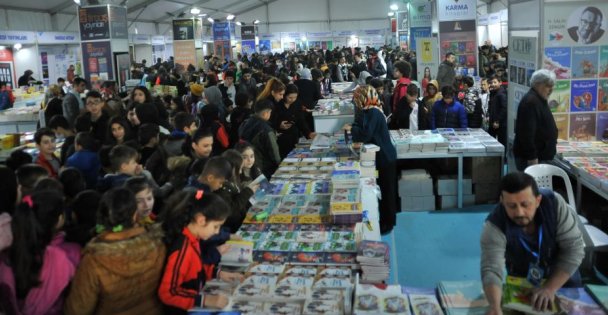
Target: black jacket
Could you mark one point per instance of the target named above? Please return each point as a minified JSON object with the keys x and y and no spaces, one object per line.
{"x":264,"y":139}
{"x":308,"y":93}
{"x":403,"y":115}
{"x":446,"y":74}
{"x":237,"y":117}
{"x":535,"y":129}
{"x":498,"y":107}
{"x":238,"y":201}
{"x":287,"y":139}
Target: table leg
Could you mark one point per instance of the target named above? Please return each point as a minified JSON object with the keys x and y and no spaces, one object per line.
{"x":460,"y":180}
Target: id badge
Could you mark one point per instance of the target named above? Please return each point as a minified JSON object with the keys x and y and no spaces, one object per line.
{"x":535,"y":274}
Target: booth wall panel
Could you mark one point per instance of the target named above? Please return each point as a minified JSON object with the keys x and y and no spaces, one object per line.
{"x":29,"y":21}
{"x":144,"y":52}
{"x":27,"y":59}
{"x":3,"y":21}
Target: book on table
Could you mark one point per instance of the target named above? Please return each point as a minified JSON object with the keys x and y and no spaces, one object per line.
{"x":599,"y":293}
{"x":576,"y":301}
{"x":240,"y":253}
{"x":517,"y":294}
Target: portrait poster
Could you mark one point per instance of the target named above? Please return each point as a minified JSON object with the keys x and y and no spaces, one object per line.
{"x":265,"y":46}
{"x":576,"y":23}
{"x":584,"y":96}
{"x":97,"y":59}
{"x":427,"y":59}
{"x":585,"y":62}
{"x":561,"y":121}
{"x":460,"y":38}
{"x":603,"y":62}
{"x":602,"y":97}
{"x":94,"y":23}
{"x":557,"y":59}
{"x":402,"y":21}
{"x":582,"y":127}
{"x":559,"y":100}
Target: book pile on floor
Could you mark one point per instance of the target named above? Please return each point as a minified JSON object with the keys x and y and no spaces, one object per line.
{"x":288,"y":289}
{"x":374,"y":258}
{"x":462,"y":297}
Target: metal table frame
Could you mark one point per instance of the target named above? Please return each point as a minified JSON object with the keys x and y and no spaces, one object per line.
{"x":460,"y":156}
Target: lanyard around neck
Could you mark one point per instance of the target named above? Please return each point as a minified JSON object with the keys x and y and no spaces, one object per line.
{"x":540,"y":241}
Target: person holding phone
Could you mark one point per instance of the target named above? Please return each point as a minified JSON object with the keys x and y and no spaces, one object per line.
{"x":288,"y":121}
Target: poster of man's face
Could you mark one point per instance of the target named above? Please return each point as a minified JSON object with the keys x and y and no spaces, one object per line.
{"x":586,"y":26}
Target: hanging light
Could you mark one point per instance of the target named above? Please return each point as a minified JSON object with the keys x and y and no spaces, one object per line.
{"x":239,"y":23}
{"x":256,"y":22}
{"x":230,"y":17}
{"x":18,"y":46}
{"x":391,"y":13}
{"x":195,"y":11}
{"x":394,"y":7}
{"x":77,"y":2}
{"x":202,"y":14}
{"x":210,"y":20}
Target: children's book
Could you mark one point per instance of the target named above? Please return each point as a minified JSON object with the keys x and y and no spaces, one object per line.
{"x":240,"y":253}
{"x":576,"y":301}
{"x":370,"y":300}
{"x":516,"y":296}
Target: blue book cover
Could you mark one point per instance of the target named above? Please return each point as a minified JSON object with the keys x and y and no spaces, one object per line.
{"x":583,"y":96}
{"x":557,"y":59}
{"x":585,"y":62}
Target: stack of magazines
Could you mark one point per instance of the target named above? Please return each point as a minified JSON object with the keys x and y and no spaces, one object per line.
{"x":374,"y":258}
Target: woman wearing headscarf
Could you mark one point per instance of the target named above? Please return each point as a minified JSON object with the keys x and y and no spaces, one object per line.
{"x":213,"y":96}
{"x":373,"y":129}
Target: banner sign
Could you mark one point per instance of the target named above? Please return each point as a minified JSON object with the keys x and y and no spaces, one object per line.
{"x":248,"y":32}
{"x":118,"y":21}
{"x":402,"y":21}
{"x":158,"y":40}
{"x":319,"y":34}
{"x":343,"y":33}
{"x":420,"y":14}
{"x":248,"y":47}
{"x":94,"y":23}
{"x":456,"y":10}
{"x":97,"y":60}
{"x":427,"y":60}
{"x":221,"y":31}
{"x":184,"y":52}
{"x":183,"y":29}
{"x":523,"y":61}
{"x":57,"y":38}
{"x":140,"y":39}
{"x":460,"y":38}
{"x":418,"y":32}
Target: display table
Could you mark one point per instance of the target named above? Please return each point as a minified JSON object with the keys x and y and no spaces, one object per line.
{"x":447,"y":143}
{"x":332,"y":113}
{"x":21,"y":119}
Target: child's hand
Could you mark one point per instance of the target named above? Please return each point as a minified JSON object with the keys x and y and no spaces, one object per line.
{"x":216,"y":301}
{"x":235,"y":237}
{"x":224,"y":248}
{"x":231,"y":276}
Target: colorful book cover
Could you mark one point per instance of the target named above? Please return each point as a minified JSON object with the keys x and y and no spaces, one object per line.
{"x":249,"y":290}
{"x":603,"y":61}
{"x":583,"y":96}
{"x":289,"y":290}
{"x":462,"y":294}
{"x":582,"y":127}
{"x":561,"y":121}
{"x":271,"y":256}
{"x":282,"y":235}
{"x":278,"y":245}
{"x":599,"y":293}
{"x":246,"y":307}
{"x":312,"y":237}
{"x":307,"y":257}
{"x":423,"y":304}
{"x":516,"y":296}
{"x":294,"y":270}
{"x":602,"y":126}
{"x":585,"y":62}
{"x":266,"y":268}
{"x":576,"y":301}
{"x":557,"y":59}
{"x":281,"y":219}
{"x":239,"y":252}
{"x":281,"y":227}
{"x":341,"y":246}
{"x":602,"y":98}
{"x":319,"y":307}
{"x":341,"y":258}
{"x":559,"y":100}
{"x":310,"y":247}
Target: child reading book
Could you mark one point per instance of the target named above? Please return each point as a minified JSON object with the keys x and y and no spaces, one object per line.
{"x":190,"y":218}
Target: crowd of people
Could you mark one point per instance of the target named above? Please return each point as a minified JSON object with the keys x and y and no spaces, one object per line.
{"x":132,"y":216}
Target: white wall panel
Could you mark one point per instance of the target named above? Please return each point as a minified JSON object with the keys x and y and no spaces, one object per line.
{"x":3,"y":20}
{"x":142,"y":28}
{"x":27,"y":58}
{"x":65,"y":22}
{"x":144,"y":52}
{"x":29,"y":21}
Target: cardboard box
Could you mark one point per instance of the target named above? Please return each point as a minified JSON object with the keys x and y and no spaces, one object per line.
{"x":416,"y":187}
{"x":486,"y":193}
{"x":451,"y":202}
{"x":483,"y":169}
{"x":447,"y":185}
{"x":418,"y":203}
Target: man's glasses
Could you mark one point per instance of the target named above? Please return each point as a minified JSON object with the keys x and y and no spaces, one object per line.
{"x":592,"y":24}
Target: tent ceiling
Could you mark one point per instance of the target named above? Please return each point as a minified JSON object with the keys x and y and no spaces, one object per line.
{"x":160,"y":11}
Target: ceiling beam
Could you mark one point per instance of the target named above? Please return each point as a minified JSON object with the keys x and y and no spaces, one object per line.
{"x":140,"y":5}
{"x":6,"y":7}
{"x":58,"y":8}
{"x":176,"y":12}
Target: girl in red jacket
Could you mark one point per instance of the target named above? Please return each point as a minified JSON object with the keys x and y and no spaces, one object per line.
{"x":192,"y":217}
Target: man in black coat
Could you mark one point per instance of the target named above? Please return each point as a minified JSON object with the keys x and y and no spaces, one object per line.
{"x":498,"y":111}
{"x":535,"y":129}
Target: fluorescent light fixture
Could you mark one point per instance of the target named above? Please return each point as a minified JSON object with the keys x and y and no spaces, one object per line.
{"x":230,"y":17}
{"x":391,"y":13}
{"x":239,"y":23}
{"x":256,"y":22}
{"x":202,"y":14}
{"x":304,"y":39}
{"x":394,"y":7}
{"x":77,"y":2}
{"x":210,"y":20}
{"x":18,"y":46}
{"x":353,"y":36}
{"x":195,"y":11}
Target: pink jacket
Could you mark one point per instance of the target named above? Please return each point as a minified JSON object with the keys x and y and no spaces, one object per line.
{"x":59,"y":266}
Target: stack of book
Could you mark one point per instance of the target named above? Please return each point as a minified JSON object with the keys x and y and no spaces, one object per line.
{"x":462,"y":297}
{"x":372,"y":300}
{"x":368,"y":160}
{"x":516,"y":297}
{"x":374,"y":258}
{"x":345,"y":203}
{"x":423,"y":301}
